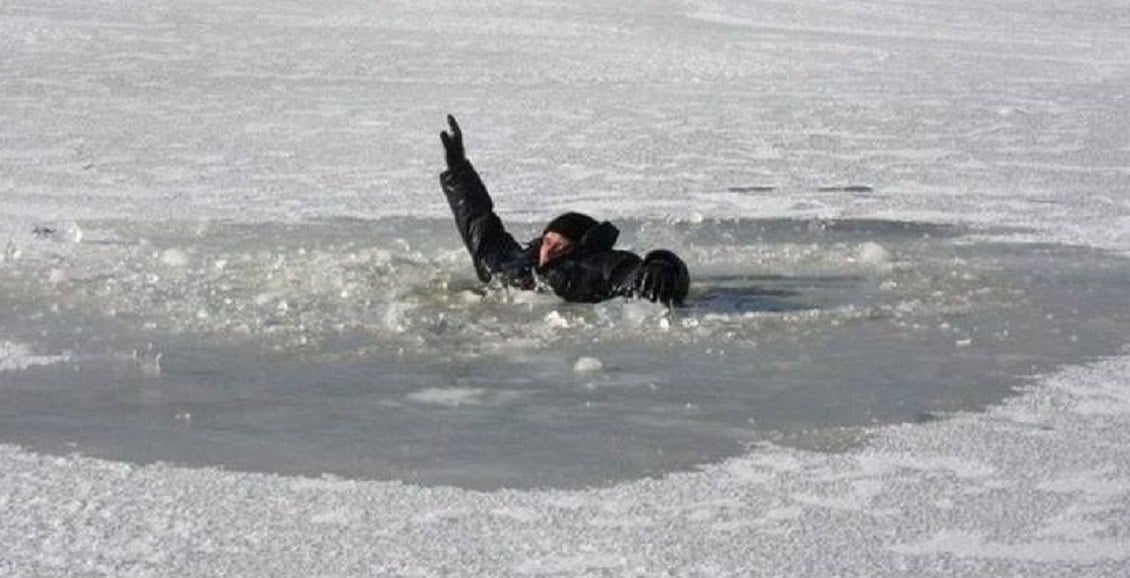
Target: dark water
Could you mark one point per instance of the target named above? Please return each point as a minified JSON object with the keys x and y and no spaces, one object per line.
{"x":367,"y":349}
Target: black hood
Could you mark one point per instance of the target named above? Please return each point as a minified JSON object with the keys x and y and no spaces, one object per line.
{"x":601,"y":237}
{"x":572,"y":226}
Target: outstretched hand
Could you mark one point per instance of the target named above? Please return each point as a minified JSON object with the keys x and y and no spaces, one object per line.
{"x":453,"y":144}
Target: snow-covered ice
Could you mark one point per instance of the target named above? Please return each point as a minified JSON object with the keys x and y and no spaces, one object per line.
{"x":126,"y":125}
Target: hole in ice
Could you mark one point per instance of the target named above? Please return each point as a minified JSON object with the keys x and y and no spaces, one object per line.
{"x":367,"y":348}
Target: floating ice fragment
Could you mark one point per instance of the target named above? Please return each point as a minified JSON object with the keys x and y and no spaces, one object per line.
{"x":11,"y":253}
{"x":556,"y":321}
{"x":448,"y":396}
{"x":72,"y":232}
{"x":173,"y":258}
{"x":523,"y":297}
{"x":871,"y":253}
{"x":16,"y":356}
{"x":58,"y":276}
{"x":588,"y":365}
{"x":636,"y":313}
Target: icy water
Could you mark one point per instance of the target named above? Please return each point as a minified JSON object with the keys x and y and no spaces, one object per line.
{"x":367,"y":349}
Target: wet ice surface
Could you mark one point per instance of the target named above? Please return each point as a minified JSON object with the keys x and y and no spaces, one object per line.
{"x":366,"y":348}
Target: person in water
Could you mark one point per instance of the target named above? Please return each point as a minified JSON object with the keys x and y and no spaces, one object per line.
{"x":574,"y":256}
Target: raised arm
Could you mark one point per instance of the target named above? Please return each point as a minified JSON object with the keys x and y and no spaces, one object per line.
{"x":492,"y":248}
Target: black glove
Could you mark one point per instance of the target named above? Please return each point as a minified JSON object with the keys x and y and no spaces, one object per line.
{"x":663,"y":278}
{"x":453,"y":144}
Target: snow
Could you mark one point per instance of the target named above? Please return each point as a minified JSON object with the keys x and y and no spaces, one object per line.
{"x":995,"y":113}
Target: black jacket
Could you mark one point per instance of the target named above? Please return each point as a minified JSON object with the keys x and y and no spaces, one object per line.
{"x":592,"y":272}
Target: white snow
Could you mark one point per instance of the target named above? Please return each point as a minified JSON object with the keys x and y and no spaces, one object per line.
{"x":989,"y":112}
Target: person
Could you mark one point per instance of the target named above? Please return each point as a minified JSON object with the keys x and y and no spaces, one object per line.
{"x":575,"y":255}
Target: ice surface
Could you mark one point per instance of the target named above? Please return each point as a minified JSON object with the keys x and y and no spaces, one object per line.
{"x":999,"y":112}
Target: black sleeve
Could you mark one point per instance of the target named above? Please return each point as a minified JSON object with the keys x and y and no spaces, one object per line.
{"x":492,"y":248}
{"x":661,"y":277}
{"x":595,"y":277}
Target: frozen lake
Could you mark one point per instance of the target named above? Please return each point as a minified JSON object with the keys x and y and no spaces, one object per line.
{"x":223,"y":243}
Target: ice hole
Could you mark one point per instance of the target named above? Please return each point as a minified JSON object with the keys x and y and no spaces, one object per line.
{"x":368,"y":349}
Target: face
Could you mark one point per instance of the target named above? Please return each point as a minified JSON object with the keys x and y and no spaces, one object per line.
{"x":553,"y":245}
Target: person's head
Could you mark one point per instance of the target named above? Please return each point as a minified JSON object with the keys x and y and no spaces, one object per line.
{"x":561,"y":236}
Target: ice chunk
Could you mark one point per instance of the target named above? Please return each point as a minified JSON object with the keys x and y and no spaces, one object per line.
{"x":636,"y":313}
{"x":174,"y":258}
{"x":449,"y":396}
{"x":58,"y":276}
{"x":588,"y":365}
{"x":11,"y":253}
{"x":871,"y":253}
{"x":17,"y":356}
{"x":72,"y":232}
{"x":556,"y":321}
